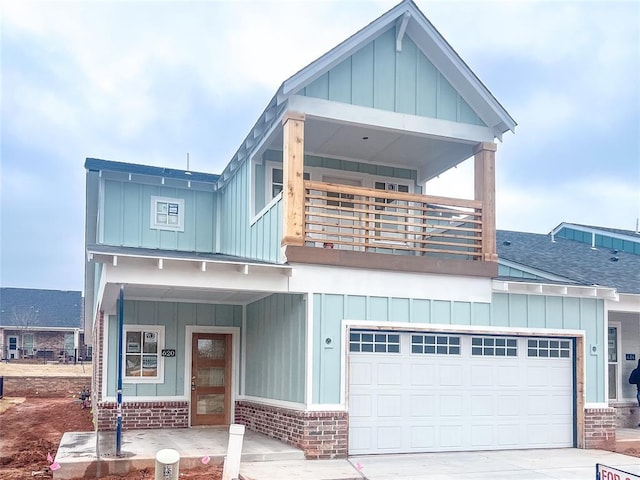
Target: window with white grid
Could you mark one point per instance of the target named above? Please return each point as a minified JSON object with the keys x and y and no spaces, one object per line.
{"x":435,"y":344}
{"x":547,"y":348}
{"x":373,"y":342}
{"x":494,"y":347}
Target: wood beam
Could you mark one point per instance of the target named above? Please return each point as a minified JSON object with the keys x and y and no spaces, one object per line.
{"x":485,"y":191}
{"x":293,"y":179}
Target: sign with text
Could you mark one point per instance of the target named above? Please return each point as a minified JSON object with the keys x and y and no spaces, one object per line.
{"x":604,"y":472}
{"x":168,"y":352}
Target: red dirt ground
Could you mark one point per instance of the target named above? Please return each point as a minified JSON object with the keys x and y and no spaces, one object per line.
{"x":30,"y":430}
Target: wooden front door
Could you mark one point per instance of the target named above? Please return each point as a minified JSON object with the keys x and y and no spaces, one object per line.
{"x":210,"y":379}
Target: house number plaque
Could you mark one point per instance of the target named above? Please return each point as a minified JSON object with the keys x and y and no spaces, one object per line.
{"x":168,"y":352}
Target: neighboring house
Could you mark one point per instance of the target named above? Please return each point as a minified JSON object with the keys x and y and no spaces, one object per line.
{"x":41,"y":324}
{"x":593,"y":256}
{"x":314,"y":291}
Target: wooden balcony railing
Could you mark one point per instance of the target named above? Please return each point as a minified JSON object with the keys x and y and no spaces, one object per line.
{"x":381,"y":221}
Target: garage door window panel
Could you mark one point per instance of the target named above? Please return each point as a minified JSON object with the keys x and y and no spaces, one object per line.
{"x":494,"y":347}
{"x":435,"y":345}
{"x":370,"y":342}
{"x":545,"y":348}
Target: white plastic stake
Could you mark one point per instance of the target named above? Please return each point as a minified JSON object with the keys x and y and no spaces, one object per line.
{"x":231,"y":468}
{"x":167,"y":464}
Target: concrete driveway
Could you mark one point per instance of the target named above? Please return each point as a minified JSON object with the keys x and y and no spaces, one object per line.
{"x":559,"y":464}
{"x":565,"y":464}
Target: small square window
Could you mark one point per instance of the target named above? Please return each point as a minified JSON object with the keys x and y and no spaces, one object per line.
{"x":167,"y":214}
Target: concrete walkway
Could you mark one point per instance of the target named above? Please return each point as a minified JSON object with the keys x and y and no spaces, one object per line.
{"x":264,"y":458}
{"x":565,"y":464}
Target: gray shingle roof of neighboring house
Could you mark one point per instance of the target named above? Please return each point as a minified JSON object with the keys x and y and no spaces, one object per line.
{"x":570,"y":259}
{"x":29,"y":307}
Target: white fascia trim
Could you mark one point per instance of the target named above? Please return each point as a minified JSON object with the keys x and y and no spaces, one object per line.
{"x":531,"y":288}
{"x":626,"y":302}
{"x":455,"y":70}
{"x":597,"y":231}
{"x":39,"y":329}
{"x":169,"y":281}
{"x":272,"y":403}
{"x":596,"y":405}
{"x":343,"y":50}
{"x":327,"y":407}
{"x":383,"y":119}
{"x":368,"y":282}
{"x":120,"y":256}
{"x":125,"y":399}
{"x":533,"y":271}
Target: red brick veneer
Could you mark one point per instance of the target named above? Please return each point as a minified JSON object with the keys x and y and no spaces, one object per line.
{"x":137,"y":415}
{"x":318,"y":434}
{"x":600,"y":428}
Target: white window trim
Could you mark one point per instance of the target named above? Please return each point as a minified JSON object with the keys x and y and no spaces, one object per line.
{"x":159,"y":330}
{"x":152,"y":218}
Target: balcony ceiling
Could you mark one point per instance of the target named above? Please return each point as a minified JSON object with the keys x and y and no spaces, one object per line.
{"x":430,"y":156}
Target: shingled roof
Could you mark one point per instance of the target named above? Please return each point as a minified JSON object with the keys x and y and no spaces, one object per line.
{"x":573,"y":260}
{"x":28,"y":307}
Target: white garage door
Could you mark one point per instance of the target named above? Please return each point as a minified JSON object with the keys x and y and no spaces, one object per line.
{"x":422,"y":392}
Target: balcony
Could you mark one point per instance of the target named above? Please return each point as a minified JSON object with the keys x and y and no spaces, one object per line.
{"x":390,"y":222}
{"x":326,"y":223}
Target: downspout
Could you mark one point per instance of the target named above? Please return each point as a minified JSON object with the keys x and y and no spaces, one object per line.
{"x":119,"y":374}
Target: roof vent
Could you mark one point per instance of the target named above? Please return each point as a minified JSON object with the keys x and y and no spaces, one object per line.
{"x":614,"y":259}
{"x":506,"y":242}
{"x":614,"y":252}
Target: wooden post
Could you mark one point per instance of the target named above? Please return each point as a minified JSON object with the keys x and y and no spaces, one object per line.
{"x":485,"y":191}
{"x":293,"y":179}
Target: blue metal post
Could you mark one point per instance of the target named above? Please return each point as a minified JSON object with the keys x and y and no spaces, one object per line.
{"x":119,"y":373}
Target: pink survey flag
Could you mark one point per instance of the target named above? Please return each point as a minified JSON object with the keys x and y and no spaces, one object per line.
{"x":206,"y":459}
{"x":54,"y":466}
{"x":49,"y":457}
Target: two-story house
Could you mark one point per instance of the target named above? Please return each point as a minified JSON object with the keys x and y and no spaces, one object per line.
{"x":315,"y":292}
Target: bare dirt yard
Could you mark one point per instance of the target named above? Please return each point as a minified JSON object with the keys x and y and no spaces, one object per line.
{"x":14,"y":369}
{"x":31,"y":428}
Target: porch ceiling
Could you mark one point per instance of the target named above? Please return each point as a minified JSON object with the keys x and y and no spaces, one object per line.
{"x":429,"y":155}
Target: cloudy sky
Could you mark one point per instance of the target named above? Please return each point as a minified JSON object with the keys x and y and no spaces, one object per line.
{"x":148,"y":81}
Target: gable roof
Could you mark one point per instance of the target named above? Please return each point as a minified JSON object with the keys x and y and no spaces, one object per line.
{"x":569,"y":259}
{"x":35,"y":308}
{"x":410,"y":20}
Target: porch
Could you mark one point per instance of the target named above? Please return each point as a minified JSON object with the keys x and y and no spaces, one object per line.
{"x":82,"y":455}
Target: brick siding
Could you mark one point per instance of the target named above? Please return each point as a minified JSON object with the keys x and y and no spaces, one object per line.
{"x":49,"y":387}
{"x":627,"y":414}
{"x":137,"y":415}
{"x":600,"y":428}
{"x":317,"y":434}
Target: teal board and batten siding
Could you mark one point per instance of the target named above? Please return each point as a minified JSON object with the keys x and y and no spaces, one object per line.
{"x":601,"y":240}
{"x":506,"y":310}
{"x":377,"y":76}
{"x":127,"y":211}
{"x":174,"y":317}
{"x":275,"y":348}
{"x":238,"y":237}
{"x":504,"y":271}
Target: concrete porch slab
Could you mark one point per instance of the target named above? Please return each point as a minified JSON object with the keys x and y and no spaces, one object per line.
{"x":91,"y":455}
